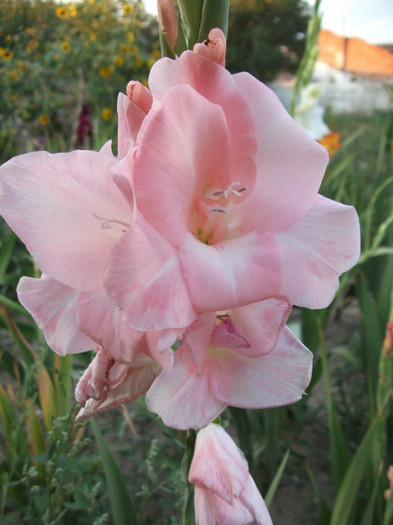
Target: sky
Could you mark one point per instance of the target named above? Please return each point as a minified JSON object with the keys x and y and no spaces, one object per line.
{"x":371,"y":20}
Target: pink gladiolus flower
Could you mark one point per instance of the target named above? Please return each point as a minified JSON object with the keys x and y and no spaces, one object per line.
{"x":227,"y":205}
{"x":225,"y":493}
{"x":246,"y":358}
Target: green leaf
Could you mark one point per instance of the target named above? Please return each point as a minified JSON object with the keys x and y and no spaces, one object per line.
{"x":349,"y":488}
{"x":123,"y":508}
{"x":214,"y":14}
{"x":276,"y":480}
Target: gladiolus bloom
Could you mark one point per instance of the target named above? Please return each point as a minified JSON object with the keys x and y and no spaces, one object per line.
{"x":225,"y":493}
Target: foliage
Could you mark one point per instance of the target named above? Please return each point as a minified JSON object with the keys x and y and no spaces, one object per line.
{"x":57,"y":59}
{"x":266,"y":37}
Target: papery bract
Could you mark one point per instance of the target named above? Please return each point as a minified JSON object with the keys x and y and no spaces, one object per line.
{"x":225,"y":493}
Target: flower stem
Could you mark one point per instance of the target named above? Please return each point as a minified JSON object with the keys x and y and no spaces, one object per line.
{"x":188,"y":508}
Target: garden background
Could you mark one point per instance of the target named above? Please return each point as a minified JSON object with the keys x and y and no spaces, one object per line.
{"x":324,"y":460}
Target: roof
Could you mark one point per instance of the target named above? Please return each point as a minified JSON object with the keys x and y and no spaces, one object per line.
{"x":354,"y":55}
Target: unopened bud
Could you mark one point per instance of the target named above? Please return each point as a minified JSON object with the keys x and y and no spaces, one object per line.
{"x":214,"y":47}
{"x":140,"y":95}
{"x":167,"y":20}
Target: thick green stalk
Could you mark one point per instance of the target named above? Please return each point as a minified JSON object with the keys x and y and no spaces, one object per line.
{"x":188,"y":508}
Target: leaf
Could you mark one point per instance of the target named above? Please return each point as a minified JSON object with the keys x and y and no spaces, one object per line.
{"x":123,"y":508}
{"x":276,"y":480}
{"x":349,"y":488}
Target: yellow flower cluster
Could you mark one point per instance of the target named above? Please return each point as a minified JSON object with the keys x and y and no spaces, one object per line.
{"x":66,"y":11}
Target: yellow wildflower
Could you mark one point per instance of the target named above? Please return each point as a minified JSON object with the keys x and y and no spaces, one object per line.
{"x":150,"y":62}
{"x":106,"y":113}
{"x":9,"y":39}
{"x":127,"y":9}
{"x":61,"y":12}
{"x":72,"y":10}
{"x":119,"y":60}
{"x":134,"y":50}
{"x":123,"y":49}
{"x":105,"y":71}
{"x":138,"y":62}
{"x":43,"y":119}
{"x":93,"y":37}
{"x":156,"y":54}
{"x":65,"y":46}
{"x":7,"y":55}
{"x":130,"y":36}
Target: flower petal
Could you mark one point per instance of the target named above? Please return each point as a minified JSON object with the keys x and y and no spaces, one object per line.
{"x":67,"y":210}
{"x":316,"y":250}
{"x":53,"y":306}
{"x":260,"y":324}
{"x":232,"y":273}
{"x":181,"y":397}
{"x":144,"y":279}
{"x":103,"y":321}
{"x":178,"y":159}
{"x":274,"y":379}
{"x":216,"y":84}
{"x":130,"y":118}
{"x":290,"y":164}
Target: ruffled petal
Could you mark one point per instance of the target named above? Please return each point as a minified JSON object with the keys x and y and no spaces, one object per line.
{"x":181,"y":396}
{"x":316,"y":250}
{"x":274,"y":379}
{"x":231,"y":273}
{"x":53,"y":306}
{"x":260,"y":324}
{"x":178,"y":159}
{"x":290,"y":164}
{"x":67,"y":210}
{"x":216,"y":84}
{"x":103,"y":321}
{"x":145,"y":280}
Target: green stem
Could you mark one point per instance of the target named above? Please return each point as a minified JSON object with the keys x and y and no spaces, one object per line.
{"x":188,"y":508}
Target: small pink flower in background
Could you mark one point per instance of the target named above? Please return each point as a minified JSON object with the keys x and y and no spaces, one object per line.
{"x":388,"y":492}
{"x":225,"y":493}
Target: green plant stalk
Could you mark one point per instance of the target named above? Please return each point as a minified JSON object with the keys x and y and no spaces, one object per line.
{"x":188,"y":507}
{"x":309,"y":58}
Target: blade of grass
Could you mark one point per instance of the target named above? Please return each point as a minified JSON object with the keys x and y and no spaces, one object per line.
{"x":349,"y":488}
{"x":276,"y":480}
{"x":123,"y":508}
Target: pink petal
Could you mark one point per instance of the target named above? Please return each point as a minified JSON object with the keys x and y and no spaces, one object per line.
{"x":218,"y":464}
{"x":144,"y":279}
{"x":274,"y":379}
{"x":316,"y":250}
{"x":130,"y":118}
{"x":103,"y":321}
{"x":136,"y":382}
{"x":248,"y":509}
{"x":290,"y":164}
{"x":197,"y":338}
{"x":231,"y":273}
{"x":216,"y":84}
{"x":181,"y":396}
{"x":260,"y":324}
{"x":53,"y":306}
{"x":67,"y":210}
{"x":178,"y":159}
